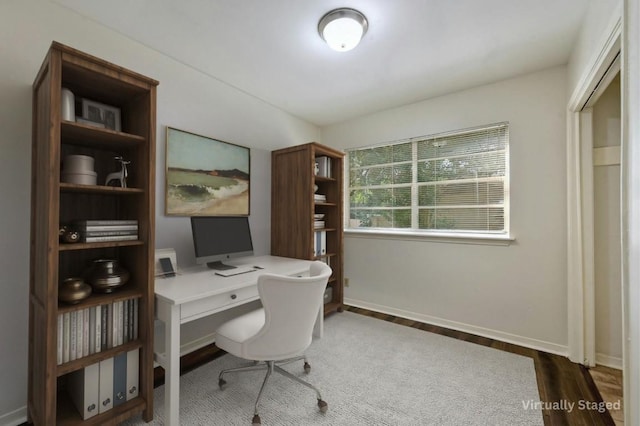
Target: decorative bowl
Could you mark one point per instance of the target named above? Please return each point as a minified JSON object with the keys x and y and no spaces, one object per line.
{"x":73,"y":290}
{"x":105,"y":275}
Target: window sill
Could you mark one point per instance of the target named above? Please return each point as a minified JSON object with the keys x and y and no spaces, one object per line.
{"x":439,"y":237}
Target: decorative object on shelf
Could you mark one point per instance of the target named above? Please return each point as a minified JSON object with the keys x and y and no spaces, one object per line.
{"x":73,"y":290}
{"x":105,"y":275}
{"x":101,"y":113}
{"x":71,"y":236}
{"x":118,"y":178}
{"x":68,"y":107}
{"x":78,"y":169}
{"x":206,"y":177}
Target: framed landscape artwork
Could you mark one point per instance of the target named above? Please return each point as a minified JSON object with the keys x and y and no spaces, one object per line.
{"x":205,"y":177}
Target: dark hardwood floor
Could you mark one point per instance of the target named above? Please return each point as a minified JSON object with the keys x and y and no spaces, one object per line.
{"x":560,"y":381}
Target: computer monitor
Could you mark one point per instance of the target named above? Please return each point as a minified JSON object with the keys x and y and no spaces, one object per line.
{"x":218,"y":238}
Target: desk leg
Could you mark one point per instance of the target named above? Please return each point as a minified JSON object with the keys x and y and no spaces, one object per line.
{"x":172,"y":368}
{"x":318,"y":328}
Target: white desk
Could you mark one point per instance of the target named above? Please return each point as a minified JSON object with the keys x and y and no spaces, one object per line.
{"x":198,"y":292}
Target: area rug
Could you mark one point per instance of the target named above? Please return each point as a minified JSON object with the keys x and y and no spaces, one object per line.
{"x":371,"y":372}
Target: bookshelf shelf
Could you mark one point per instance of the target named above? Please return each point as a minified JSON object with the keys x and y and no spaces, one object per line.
{"x":55,"y":203}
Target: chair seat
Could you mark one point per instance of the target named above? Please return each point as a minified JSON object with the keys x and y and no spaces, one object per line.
{"x":232,"y":334}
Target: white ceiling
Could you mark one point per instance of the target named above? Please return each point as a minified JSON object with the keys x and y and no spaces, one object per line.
{"x":413,"y":50}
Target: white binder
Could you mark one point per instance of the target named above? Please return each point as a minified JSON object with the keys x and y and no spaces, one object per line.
{"x":132,"y":373}
{"x":83,"y":388}
{"x":106,"y":385}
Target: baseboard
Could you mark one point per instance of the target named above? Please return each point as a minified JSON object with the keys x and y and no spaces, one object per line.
{"x":526,"y":342}
{"x":14,"y":418}
{"x":609,"y":361}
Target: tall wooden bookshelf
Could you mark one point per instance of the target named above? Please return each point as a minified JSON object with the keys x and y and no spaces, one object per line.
{"x":293,"y":206}
{"x":54,"y":203}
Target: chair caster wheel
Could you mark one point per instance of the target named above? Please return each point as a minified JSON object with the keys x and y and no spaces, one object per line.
{"x":256,"y":421}
{"x":307,"y":367}
{"x":323,"y":406}
{"x":221,"y":383}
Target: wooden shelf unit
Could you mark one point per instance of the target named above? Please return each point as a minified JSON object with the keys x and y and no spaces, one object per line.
{"x":293,"y":208}
{"x":54,"y":203}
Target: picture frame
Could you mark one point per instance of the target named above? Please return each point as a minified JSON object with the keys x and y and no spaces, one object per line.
{"x":205,"y":176}
{"x":101,"y":113}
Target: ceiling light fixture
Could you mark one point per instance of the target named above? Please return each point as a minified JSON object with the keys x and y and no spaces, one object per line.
{"x":343,"y":28}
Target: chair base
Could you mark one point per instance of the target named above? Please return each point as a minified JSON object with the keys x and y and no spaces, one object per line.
{"x":272,"y":366}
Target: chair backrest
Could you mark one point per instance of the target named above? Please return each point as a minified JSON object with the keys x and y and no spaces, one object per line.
{"x":291,"y":306}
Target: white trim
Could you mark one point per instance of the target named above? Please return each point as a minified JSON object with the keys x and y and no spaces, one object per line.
{"x":609,"y":361}
{"x":527,"y":342}
{"x":630,"y":212}
{"x":15,"y":417}
{"x":457,"y":238}
{"x":577,"y":299}
{"x":588,"y":242}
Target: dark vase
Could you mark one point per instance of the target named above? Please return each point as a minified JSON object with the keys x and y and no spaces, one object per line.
{"x":73,"y":290}
{"x":105,"y":275}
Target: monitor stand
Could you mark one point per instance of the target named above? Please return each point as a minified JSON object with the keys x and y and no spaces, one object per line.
{"x":219,"y":266}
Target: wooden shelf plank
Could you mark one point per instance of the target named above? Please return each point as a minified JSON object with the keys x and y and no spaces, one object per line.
{"x":85,"y":361}
{"x":87,"y":246}
{"x":85,"y":135}
{"x":99,"y":189}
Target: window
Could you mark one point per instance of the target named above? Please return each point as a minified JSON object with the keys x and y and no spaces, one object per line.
{"x":454,"y":183}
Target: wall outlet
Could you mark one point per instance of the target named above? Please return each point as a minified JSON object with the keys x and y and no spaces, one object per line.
{"x":346,"y":282}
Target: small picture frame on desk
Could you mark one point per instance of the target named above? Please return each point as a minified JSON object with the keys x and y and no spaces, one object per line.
{"x":101,"y":113}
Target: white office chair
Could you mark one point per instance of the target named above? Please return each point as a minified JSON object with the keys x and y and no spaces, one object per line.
{"x":280,"y":331}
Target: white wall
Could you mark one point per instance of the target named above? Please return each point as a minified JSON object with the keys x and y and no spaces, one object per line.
{"x":187,"y":100}
{"x":601,"y":15}
{"x":515,"y":293}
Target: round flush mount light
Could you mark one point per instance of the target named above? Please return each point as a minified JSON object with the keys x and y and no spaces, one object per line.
{"x":342,"y":28}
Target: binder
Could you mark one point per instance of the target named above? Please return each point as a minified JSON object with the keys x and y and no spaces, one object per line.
{"x":59,"y":339}
{"x":133,"y":358}
{"x":83,"y":389}
{"x":105,"y":393}
{"x":119,"y":379}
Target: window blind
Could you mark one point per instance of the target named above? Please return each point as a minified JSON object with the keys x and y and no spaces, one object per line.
{"x":449,"y":182}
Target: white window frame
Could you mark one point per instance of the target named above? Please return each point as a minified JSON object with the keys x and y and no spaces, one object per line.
{"x":468,"y":237}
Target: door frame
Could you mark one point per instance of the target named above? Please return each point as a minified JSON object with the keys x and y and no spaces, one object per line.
{"x":580,"y":203}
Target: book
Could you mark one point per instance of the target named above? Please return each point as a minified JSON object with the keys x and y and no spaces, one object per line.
{"x":110,"y":238}
{"x":65,"y":337}
{"x":79,"y":333}
{"x":73,"y":334}
{"x":97,"y":330}
{"x":135,"y":318}
{"x":85,"y":332}
{"x":104,"y":311}
{"x":59,"y":340}
{"x":106,"y":228}
{"x":105,"y":222}
{"x":109,"y":326}
{"x":125,"y":322}
{"x":92,"y":328}
{"x":110,"y":233}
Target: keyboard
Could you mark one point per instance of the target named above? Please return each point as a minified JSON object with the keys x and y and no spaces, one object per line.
{"x":235,"y":271}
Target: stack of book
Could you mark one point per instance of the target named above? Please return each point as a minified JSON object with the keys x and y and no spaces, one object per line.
{"x":92,"y":231}
{"x":319,"y":198}
{"x":318,"y":224}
